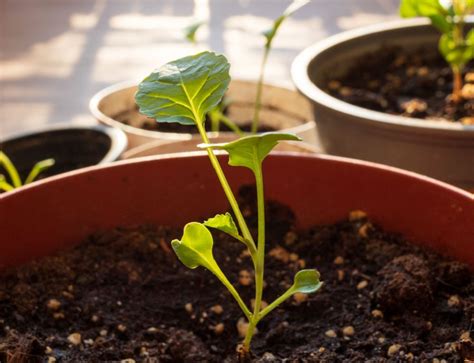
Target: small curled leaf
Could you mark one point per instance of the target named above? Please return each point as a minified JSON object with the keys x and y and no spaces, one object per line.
{"x":190,"y":31}
{"x":195,"y":247}
{"x":250,"y":151}
{"x":306,"y":281}
{"x":224,"y":223}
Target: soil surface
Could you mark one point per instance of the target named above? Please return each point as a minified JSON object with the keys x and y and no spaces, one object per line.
{"x":122,"y":294}
{"x":134,"y":118}
{"x":415,"y":85}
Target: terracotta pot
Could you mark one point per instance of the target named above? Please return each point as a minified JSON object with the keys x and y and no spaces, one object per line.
{"x":71,"y":146}
{"x":58,"y":212}
{"x":443,"y":150}
{"x":172,"y":147}
{"x":283,"y":109}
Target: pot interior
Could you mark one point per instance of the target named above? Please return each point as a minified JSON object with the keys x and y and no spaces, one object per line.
{"x":70,"y":148}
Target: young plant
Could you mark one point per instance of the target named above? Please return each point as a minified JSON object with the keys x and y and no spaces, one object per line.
{"x":12,"y":172}
{"x":456,"y":46}
{"x":217,"y":115}
{"x":184,"y":91}
{"x":269,"y":36}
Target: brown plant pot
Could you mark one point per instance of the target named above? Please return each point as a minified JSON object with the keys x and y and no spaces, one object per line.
{"x":319,"y":189}
{"x":443,"y":150}
{"x":173,"y":147}
{"x":283,"y":110}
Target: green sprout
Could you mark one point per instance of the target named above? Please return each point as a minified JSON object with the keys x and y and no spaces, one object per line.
{"x":216,"y":115}
{"x":191,"y":30}
{"x":12,"y":172}
{"x":456,"y":46}
{"x":184,"y":91}
{"x":269,"y":36}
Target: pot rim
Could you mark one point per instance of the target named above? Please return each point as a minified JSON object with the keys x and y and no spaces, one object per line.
{"x":118,"y":139}
{"x":200,"y":154}
{"x":302,"y":81}
{"x":172,"y":136}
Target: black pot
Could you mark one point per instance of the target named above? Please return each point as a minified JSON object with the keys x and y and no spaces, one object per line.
{"x":71,"y":146}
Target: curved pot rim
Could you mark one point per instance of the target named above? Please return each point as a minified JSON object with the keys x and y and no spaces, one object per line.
{"x":203,"y":154}
{"x":118,"y":139}
{"x":99,"y":115}
{"x":301,"y":79}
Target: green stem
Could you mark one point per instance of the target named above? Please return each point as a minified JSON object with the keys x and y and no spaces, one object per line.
{"x":4,"y":185}
{"x":258,"y":99}
{"x":229,"y":194}
{"x":39,"y":167}
{"x":230,"y":124}
{"x":221,"y":276}
{"x":274,"y":304}
{"x":11,"y":170}
{"x":260,"y":265}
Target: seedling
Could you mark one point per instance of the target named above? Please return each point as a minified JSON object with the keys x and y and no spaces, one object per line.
{"x":456,"y":46}
{"x":184,"y":91}
{"x":217,"y":115}
{"x":12,"y":172}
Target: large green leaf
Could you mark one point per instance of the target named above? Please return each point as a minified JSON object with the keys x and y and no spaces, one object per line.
{"x":250,"y":151}
{"x":195,"y":247}
{"x":184,"y":90}
{"x":292,"y":8}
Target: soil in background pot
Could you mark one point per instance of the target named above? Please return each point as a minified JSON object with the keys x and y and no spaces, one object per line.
{"x":122,"y":294}
{"x":415,"y":85}
{"x":134,"y":118}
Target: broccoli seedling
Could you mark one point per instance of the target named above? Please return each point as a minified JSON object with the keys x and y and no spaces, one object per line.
{"x":12,"y":172}
{"x":184,"y":91}
{"x":217,"y":115}
{"x":269,"y":36}
{"x":456,"y":46}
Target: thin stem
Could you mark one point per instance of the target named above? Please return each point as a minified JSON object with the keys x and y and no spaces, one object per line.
{"x":258,"y":99}
{"x":274,"y":304}
{"x":220,"y":275}
{"x":260,"y":265}
{"x":457,"y":84}
{"x":4,"y":185}
{"x":39,"y":167}
{"x":230,"y":124}
{"x":11,"y":170}
{"x":228,"y":192}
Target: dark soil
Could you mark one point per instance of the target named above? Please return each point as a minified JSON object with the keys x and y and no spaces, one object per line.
{"x":122,"y":294}
{"x":134,"y":118}
{"x":415,"y":85}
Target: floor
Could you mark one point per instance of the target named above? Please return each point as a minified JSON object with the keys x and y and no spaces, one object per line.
{"x":55,"y":54}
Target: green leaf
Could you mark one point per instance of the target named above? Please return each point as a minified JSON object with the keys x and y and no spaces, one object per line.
{"x":195,"y":247}
{"x":190,"y":31}
{"x":250,"y":151}
{"x":427,"y":8}
{"x":290,"y":10}
{"x":184,"y":90}
{"x":224,"y":223}
{"x":457,"y":55}
{"x":306,"y":281}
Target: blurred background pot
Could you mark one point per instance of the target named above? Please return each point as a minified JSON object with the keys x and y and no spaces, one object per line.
{"x":282,"y":109}
{"x":173,"y":190}
{"x":171,"y":147}
{"x":440,"y":149}
{"x":71,"y":146}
